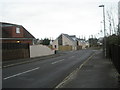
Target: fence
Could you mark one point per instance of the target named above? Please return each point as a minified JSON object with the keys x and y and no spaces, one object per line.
{"x":114,"y":53}
{"x":12,"y":51}
{"x":65,"y":48}
{"x":79,"y":47}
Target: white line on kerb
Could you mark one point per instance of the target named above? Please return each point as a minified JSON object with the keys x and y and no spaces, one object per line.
{"x":21,"y":73}
{"x":16,"y":64}
{"x":57,"y":61}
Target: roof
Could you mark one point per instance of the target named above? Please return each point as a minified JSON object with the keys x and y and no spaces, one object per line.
{"x":27,"y":34}
{"x":4,"y":24}
{"x":70,"y":38}
{"x":5,"y":34}
{"x":67,"y":36}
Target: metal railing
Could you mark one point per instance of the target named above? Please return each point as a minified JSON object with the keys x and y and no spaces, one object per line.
{"x":114,"y":54}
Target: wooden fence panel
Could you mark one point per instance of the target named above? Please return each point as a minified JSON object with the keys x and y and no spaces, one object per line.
{"x":11,"y":51}
{"x":65,"y":48}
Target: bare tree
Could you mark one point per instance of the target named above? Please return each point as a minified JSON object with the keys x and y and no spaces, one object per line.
{"x":112,"y":18}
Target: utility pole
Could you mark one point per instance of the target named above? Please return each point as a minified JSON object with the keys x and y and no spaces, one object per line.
{"x":104,"y":48}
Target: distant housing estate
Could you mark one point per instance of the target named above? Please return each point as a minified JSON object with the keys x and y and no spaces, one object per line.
{"x":66,"y":42}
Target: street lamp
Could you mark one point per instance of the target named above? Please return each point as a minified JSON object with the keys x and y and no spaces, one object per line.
{"x":104,"y":28}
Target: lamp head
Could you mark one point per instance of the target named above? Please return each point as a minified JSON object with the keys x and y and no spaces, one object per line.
{"x":101,"y":6}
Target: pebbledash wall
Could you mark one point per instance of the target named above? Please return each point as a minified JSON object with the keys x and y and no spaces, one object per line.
{"x":40,"y":50}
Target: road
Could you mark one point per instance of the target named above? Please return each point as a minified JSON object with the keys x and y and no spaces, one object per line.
{"x":45,"y":73}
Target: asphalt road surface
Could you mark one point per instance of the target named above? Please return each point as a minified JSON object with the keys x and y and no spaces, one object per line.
{"x":45,"y":73}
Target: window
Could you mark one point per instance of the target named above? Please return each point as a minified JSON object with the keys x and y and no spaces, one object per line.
{"x":17,"y":30}
{"x":60,"y":40}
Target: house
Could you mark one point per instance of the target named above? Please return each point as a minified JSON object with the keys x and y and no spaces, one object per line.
{"x":13,"y":33}
{"x":82,"y":43}
{"x":65,"y":42}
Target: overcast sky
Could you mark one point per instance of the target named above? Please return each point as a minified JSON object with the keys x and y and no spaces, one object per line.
{"x":50,"y":18}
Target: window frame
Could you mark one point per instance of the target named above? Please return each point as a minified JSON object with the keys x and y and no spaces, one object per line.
{"x":17,"y":30}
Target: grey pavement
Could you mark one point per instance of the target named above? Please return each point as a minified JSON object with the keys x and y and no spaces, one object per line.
{"x":97,"y":72}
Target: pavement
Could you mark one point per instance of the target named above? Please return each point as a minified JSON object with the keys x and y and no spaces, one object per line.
{"x":97,"y":72}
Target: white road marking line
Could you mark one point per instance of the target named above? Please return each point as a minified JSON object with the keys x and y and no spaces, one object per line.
{"x":21,"y":73}
{"x":16,"y":64}
{"x":57,"y":61}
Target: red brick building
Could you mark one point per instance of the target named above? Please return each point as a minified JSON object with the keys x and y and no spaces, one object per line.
{"x":13,"y":33}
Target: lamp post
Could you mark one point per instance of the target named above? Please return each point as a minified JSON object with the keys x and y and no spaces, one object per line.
{"x":104,"y":48}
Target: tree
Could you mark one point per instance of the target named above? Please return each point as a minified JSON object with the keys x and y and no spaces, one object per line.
{"x":112,"y":20}
{"x":93,"y":42}
{"x":46,"y":41}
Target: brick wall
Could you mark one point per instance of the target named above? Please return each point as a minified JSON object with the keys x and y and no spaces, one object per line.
{"x":17,"y":35}
{"x":11,"y":31}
